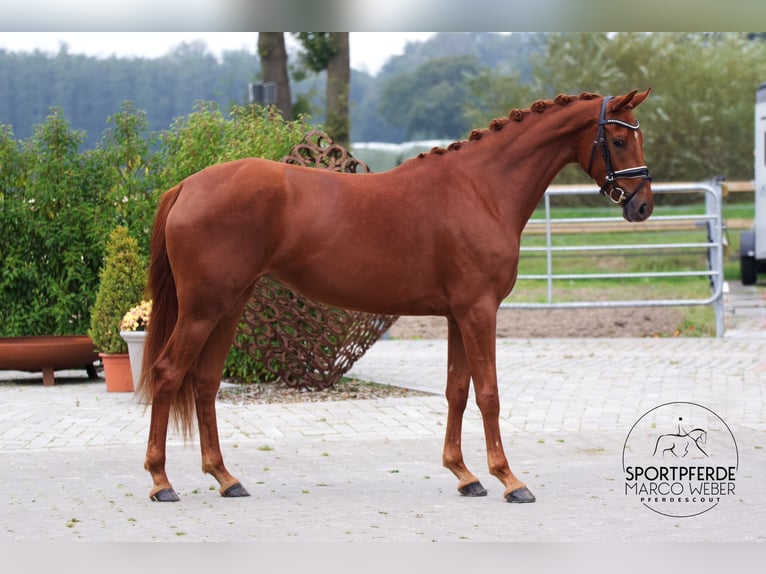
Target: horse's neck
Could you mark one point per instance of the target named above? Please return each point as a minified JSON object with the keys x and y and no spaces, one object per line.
{"x":517,"y":163}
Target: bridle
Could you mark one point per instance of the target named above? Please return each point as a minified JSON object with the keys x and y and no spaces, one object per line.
{"x":610,"y":188}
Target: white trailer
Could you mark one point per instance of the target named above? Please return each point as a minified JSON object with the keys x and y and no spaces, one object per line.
{"x":753,"y":242}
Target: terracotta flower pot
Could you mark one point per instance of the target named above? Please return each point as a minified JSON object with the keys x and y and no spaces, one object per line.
{"x":119,"y":378}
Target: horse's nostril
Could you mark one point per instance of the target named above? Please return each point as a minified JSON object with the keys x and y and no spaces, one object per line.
{"x":642,"y":211}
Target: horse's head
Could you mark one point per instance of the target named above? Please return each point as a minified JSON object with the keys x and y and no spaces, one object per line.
{"x":615,"y":158}
{"x":699,"y":435}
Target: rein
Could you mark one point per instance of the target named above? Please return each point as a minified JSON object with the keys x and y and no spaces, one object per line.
{"x":610,"y":188}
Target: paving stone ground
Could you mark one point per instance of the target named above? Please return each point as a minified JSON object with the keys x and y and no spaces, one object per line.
{"x":72,"y":454}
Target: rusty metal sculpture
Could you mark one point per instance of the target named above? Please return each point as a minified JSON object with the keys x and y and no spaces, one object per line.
{"x":301,"y":342}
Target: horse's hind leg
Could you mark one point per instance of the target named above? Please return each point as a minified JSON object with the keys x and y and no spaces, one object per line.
{"x":162,"y":490}
{"x":169,"y":372}
{"x":458,"y":382}
{"x":207,"y":380}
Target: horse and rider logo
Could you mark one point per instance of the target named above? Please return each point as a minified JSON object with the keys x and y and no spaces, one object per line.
{"x":681,"y":444}
{"x":680,"y":460}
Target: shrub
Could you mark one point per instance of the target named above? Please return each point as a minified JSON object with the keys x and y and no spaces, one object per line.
{"x":51,"y":249}
{"x":130,"y":191}
{"x":59,"y":203}
{"x":206,"y":137}
{"x":122,"y":284}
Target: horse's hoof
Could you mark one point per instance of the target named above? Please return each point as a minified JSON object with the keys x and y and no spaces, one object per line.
{"x":165,"y":495}
{"x":473,"y":489}
{"x":235,"y":491}
{"x":520,"y":495}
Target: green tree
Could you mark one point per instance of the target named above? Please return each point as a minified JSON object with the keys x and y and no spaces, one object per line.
{"x":89,"y":89}
{"x":701,"y":119}
{"x":698,"y":122}
{"x":495,"y":95}
{"x":431,"y":101}
{"x":366,"y":122}
{"x":273,"y":54}
{"x":330,"y":51}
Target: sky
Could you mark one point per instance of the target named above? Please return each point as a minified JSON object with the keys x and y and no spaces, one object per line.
{"x":369,"y":50}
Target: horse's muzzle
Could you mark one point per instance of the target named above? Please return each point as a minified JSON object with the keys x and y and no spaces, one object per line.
{"x":639,"y":209}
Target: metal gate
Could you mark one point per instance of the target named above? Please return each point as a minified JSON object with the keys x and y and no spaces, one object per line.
{"x":712,"y":220}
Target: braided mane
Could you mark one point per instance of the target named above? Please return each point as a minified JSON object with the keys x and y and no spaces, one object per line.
{"x":515,"y":115}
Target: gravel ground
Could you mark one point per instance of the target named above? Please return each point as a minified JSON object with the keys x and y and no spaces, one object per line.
{"x":346,"y":389}
{"x":557,"y":323}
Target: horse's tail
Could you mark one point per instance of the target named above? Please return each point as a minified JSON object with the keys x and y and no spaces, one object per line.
{"x":162,"y":289}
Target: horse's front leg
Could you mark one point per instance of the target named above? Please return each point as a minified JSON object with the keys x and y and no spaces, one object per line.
{"x":458,"y":382}
{"x":478,"y":328}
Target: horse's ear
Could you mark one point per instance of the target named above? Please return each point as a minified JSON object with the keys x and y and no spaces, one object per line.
{"x":629,"y":100}
{"x":638,"y":98}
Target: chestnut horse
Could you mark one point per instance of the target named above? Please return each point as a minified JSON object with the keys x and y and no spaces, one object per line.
{"x":437,"y":235}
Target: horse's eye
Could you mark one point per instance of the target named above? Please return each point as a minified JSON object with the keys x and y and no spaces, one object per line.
{"x":618,"y":142}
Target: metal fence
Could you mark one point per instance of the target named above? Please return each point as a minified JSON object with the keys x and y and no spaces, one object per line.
{"x":711,"y":221}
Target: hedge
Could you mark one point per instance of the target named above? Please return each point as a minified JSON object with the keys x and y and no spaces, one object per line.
{"x":59,"y":203}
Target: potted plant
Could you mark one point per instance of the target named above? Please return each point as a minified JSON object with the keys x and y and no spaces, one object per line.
{"x":133,"y":328}
{"x":121,"y":283}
